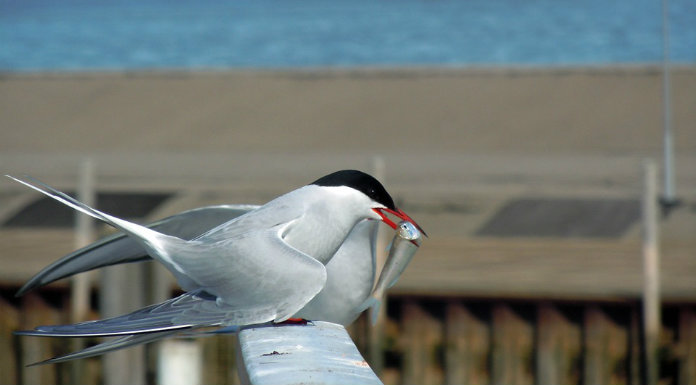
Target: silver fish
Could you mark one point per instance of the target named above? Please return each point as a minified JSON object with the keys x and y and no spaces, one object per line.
{"x":406,"y":242}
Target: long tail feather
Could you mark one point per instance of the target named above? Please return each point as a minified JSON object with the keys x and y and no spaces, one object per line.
{"x":128,"y":227}
{"x":152,"y":240}
{"x":110,"y":346}
{"x":119,"y":248}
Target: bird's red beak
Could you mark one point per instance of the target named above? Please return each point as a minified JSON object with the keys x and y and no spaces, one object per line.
{"x":399,"y":214}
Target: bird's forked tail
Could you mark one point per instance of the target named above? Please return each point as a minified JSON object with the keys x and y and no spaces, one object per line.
{"x":148,"y":237}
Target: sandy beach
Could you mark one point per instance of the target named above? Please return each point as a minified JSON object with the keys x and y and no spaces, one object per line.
{"x":424,"y":119}
{"x":520,"y":110}
{"x":453,"y":145}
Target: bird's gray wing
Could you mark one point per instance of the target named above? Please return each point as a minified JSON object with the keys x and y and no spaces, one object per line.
{"x":256,"y":272}
{"x":119,"y":248}
{"x":110,"y":346}
{"x":154,"y":242}
{"x":252,"y":279}
{"x":136,"y":339}
{"x":158,"y":245}
{"x":183,"y":312}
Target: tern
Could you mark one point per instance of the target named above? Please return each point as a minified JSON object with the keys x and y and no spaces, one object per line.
{"x":269,"y":264}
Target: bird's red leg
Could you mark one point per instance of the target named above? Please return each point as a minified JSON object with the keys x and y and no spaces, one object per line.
{"x":294,"y":321}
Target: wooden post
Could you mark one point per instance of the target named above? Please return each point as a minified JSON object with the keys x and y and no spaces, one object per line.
{"x":513,"y":345}
{"x":158,"y":285}
{"x":9,"y":322}
{"x":606,"y":349}
{"x":687,"y":343}
{"x":651,"y":271}
{"x":467,"y":339}
{"x":121,"y":292}
{"x":182,"y":364}
{"x":84,"y":234}
{"x":80,"y":283}
{"x":559,"y":344}
{"x":220,"y":360}
{"x":636,"y":348}
{"x":422,"y":336}
{"x":35,"y":311}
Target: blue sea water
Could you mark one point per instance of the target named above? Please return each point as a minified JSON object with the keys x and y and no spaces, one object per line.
{"x":69,"y":35}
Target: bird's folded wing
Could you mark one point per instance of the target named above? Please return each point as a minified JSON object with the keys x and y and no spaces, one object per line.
{"x":254,"y":273}
{"x":109,"y":346}
{"x":255,"y":279}
{"x":119,"y":248}
{"x":257,"y":273}
{"x":185,"y":311}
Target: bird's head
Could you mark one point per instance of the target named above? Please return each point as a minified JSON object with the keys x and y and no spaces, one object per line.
{"x":381,"y":203}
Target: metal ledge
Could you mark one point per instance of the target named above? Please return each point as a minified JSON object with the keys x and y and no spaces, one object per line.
{"x":316,"y":353}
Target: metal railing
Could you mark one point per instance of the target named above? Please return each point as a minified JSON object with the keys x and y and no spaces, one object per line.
{"x":316,"y":353}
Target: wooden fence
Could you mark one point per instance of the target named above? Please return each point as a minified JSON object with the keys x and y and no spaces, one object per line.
{"x":465,"y":341}
{"x":425,"y":340}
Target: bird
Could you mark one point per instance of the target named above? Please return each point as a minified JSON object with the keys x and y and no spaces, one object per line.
{"x":249,"y":265}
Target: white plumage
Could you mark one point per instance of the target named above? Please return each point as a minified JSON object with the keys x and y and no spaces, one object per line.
{"x":268,"y":264}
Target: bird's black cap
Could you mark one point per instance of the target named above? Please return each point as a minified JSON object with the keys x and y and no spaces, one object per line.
{"x":360,"y":181}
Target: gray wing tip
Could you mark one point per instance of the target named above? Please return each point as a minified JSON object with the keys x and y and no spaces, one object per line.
{"x":54,"y":360}
{"x":80,"y":334}
{"x":110,"y":346}
{"x":44,"y":362}
{"x":27,"y":287}
{"x":24,"y":179}
{"x":42,"y":333}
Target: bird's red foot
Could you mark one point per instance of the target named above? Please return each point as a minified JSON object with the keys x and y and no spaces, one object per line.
{"x":294,"y":321}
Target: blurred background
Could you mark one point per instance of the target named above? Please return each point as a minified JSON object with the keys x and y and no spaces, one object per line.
{"x":515,"y":132}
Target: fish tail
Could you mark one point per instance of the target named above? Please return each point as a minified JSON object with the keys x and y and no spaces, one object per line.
{"x":374,"y":310}
{"x":373,"y":303}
